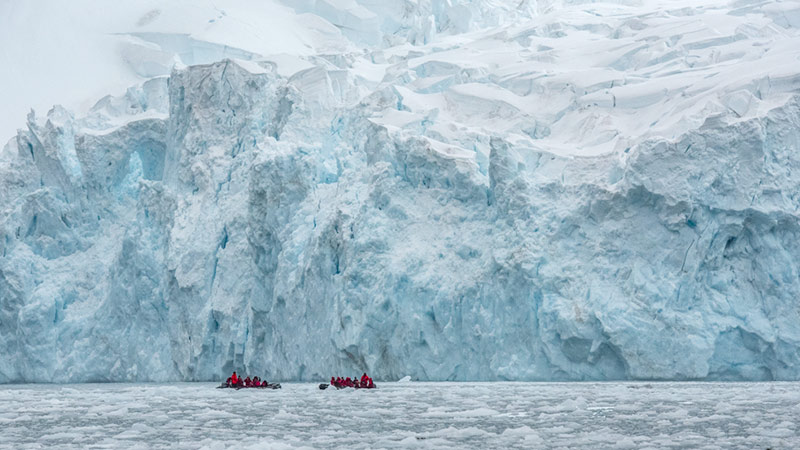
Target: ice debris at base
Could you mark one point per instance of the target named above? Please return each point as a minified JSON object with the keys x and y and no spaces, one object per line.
{"x":561,"y":192}
{"x":616,"y":415}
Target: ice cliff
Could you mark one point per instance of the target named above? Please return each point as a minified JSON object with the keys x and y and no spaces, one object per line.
{"x":547,"y":192}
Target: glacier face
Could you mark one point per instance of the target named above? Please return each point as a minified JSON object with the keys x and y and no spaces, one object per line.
{"x":494,"y":204}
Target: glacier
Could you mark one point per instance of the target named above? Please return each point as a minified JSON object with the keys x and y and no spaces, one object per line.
{"x":454,"y":191}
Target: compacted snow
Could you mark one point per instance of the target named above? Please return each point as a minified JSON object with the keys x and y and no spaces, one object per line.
{"x":452,"y":190}
{"x":404,"y":415}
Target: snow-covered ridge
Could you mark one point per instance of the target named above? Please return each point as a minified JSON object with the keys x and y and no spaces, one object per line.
{"x":556,"y":191}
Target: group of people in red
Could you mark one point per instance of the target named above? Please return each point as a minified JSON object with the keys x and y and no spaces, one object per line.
{"x":364,"y":383}
{"x":237,"y":381}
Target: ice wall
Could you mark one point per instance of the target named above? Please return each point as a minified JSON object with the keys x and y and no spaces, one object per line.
{"x":449,"y":213}
{"x":242,"y":231}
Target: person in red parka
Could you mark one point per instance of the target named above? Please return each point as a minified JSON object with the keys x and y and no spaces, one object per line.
{"x":370,"y":384}
{"x":234,"y":379}
{"x":248,"y":382}
{"x":364,"y":379}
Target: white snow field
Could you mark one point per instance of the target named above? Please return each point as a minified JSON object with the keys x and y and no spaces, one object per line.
{"x":453,"y":190}
{"x":411,"y":415}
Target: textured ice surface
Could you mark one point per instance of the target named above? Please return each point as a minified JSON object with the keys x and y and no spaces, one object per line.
{"x":412,"y":415}
{"x":549,"y":192}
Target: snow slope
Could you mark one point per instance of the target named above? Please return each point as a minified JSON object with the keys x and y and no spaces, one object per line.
{"x":73,"y":53}
{"x":451,"y":190}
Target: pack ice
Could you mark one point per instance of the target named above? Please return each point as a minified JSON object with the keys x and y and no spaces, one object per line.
{"x":447,"y":190}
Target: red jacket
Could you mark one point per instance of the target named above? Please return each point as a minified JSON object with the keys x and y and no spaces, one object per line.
{"x":234,"y":378}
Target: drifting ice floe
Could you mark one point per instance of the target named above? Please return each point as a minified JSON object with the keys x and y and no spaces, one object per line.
{"x":420,"y":415}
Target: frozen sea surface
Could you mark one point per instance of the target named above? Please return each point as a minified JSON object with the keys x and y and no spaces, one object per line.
{"x":410,"y":415}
